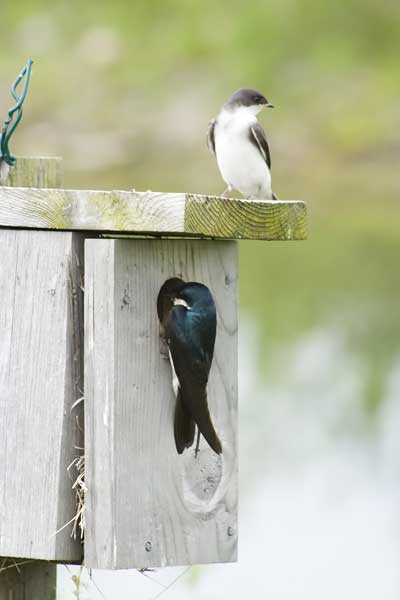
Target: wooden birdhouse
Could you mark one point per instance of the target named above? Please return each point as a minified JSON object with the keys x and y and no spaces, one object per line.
{"x":79,"y":276}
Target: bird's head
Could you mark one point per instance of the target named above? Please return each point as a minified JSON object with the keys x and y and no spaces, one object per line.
{"x":176,"y":292}
{"x":249,"y":100}
{"x":193,"y":295}
{"x":166,"y":296}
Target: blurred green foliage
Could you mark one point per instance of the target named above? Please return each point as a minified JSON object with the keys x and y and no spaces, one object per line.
{"x":124,"y":92}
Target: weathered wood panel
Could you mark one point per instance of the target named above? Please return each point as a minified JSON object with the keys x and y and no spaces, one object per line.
{"x":146,"y":505}
{"x":153,"y":213}
{"x":32,"y":581}
{"x":32,"y":172}
{"x":39,"y":381}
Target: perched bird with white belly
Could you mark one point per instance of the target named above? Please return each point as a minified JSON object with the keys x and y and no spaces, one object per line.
{"x":240,"y":145}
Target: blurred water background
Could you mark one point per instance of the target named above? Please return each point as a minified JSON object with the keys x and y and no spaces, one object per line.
{"x":124,"y":92}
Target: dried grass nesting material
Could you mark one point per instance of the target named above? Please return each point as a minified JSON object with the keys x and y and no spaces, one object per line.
{"x":78,"y":521}
{"x":76,"y":471}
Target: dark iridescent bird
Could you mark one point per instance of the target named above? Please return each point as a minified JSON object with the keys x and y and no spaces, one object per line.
{"x":188,"y":319}
{"x":240,"y":145}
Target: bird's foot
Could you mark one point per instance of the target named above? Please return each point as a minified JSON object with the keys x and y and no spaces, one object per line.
{"x":260,"y":198}
{"x":225,"y":192}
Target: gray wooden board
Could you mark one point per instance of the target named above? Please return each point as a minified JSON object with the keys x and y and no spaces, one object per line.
{"x":39,"y":381}
{"x":35,"y":580}
{"x":152,"y":213}
{"x":146,"y":506}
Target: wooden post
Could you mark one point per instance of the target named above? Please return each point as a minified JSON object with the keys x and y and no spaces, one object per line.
{"x":34,"y":580}
{"x":32,"y":172}
{"x":40,"y":378}
{"x":147,"y":506}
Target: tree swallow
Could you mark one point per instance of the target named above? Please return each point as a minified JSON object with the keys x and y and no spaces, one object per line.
{"x":240,"y":146}
{"x":188,"y":320}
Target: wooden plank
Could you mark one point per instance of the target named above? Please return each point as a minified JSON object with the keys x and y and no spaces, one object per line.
{"x":39,"y":381}
{"x":147,"y":506}
{"x":32,"y":172}
{"x":153,"y":213}
{"x":245,"y":219}
{"x":35,"y":580}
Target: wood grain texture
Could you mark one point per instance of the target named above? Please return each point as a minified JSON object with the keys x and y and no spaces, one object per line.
{"x":39,"y":381}
{"x":183,"y":215}
{"x":245,"y":219}
{"x":146,"y":505}
{"x":33,"y":581}
{"x":32,"y":172}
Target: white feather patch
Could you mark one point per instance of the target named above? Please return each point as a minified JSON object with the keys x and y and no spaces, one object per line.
{"x":181,"y":302}
{"x":175,"y":380}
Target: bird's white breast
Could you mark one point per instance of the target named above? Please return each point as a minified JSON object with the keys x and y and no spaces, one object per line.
{"x":240,"y":162}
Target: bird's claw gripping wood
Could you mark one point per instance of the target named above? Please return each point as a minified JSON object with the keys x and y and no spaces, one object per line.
{"x":226,"y":192}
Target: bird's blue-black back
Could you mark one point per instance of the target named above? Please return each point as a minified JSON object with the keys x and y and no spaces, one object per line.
{"x":195,"y":327}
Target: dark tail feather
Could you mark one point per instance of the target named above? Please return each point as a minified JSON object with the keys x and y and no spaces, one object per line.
{"x":184,"y":426}
{"x":201,"y":416}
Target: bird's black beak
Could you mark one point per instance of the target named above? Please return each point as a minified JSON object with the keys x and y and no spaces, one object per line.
{"x":269,"y":105}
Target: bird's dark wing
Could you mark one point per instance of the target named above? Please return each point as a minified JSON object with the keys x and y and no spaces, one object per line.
{"x":211,"y":136}
{"x":257,"y":137}
{"x":192,"y":359}
{"x":191,"y":349}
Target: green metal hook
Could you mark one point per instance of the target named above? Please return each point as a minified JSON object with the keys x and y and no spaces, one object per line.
{"x":14,"y":114}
